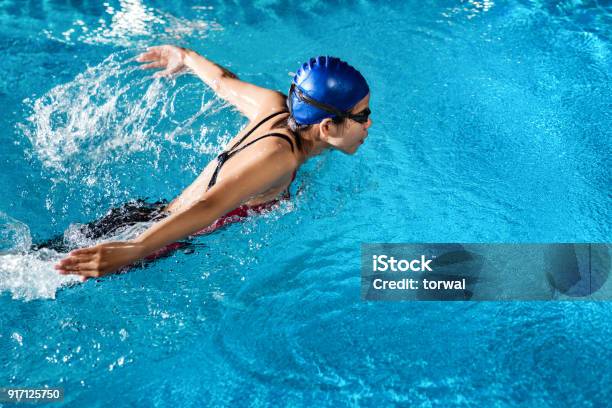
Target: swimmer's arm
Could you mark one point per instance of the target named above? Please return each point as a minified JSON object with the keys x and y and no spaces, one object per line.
{"x":227,"y":194}
{"x":250,"y":99}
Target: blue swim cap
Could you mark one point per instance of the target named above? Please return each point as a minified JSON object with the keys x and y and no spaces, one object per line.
{"x":328,"y":81}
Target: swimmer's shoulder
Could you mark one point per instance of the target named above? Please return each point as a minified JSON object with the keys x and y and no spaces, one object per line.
{"x":273,"y":102}
{"x":281,"y":149}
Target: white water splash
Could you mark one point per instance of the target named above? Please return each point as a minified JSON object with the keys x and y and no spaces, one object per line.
{"x":14,"y":235}
{"x":112,"y":110}
{"x":92,"y":109}
{"x":24,"y":273}
{"x":30,"y":274}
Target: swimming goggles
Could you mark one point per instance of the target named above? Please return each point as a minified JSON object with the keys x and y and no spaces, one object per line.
{"x":361,"y":117}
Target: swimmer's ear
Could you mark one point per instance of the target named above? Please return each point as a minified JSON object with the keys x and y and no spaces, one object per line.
{"x":326,"y":129}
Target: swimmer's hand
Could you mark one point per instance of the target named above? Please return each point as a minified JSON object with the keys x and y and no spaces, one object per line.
{"x":100,"y":260}
{"x":169,"y":57}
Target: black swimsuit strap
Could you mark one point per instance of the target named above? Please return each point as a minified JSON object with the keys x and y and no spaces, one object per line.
{"x":223,"y":157}
{"x":261,"y":122}
{"x":281,"y":135}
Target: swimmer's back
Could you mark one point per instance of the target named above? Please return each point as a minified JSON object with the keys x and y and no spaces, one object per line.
{"x":257,"y":128}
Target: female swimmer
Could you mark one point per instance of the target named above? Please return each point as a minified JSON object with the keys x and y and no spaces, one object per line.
{"x":327,"y":108}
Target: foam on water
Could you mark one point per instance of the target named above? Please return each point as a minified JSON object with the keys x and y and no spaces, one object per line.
{"x":27,"y":274}
{"x":30,"y":274}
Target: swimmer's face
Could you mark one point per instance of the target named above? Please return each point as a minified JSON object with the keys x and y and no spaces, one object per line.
{"x":348,"y":135}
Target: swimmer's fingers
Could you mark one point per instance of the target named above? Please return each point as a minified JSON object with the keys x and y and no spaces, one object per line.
{"x":84,"y":251}
{"x":77,"y":264}
{"x":80,"y":270}
{"x":156,"y":64}
{"x":85,"y":270}
{"x":79,"y":260}
{"x":100,"y":260}
{"x":89,"y":273}
{"x":170,"y":57}
{"x":151,"y":54}
{"x":74,"y":260}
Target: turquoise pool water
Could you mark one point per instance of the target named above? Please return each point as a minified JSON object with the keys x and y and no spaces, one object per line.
{"x":491,"y":124}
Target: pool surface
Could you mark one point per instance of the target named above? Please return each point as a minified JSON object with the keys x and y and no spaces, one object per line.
{"x":491,"y":123}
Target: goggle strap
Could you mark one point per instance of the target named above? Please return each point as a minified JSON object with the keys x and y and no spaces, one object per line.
{"x":315,"y":103}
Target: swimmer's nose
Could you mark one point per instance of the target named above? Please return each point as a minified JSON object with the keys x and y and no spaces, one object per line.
{"x":368,"y":123}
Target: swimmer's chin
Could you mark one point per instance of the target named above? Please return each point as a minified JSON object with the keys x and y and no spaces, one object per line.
{"x":352,"y":150}
{"x":356,"y":149}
